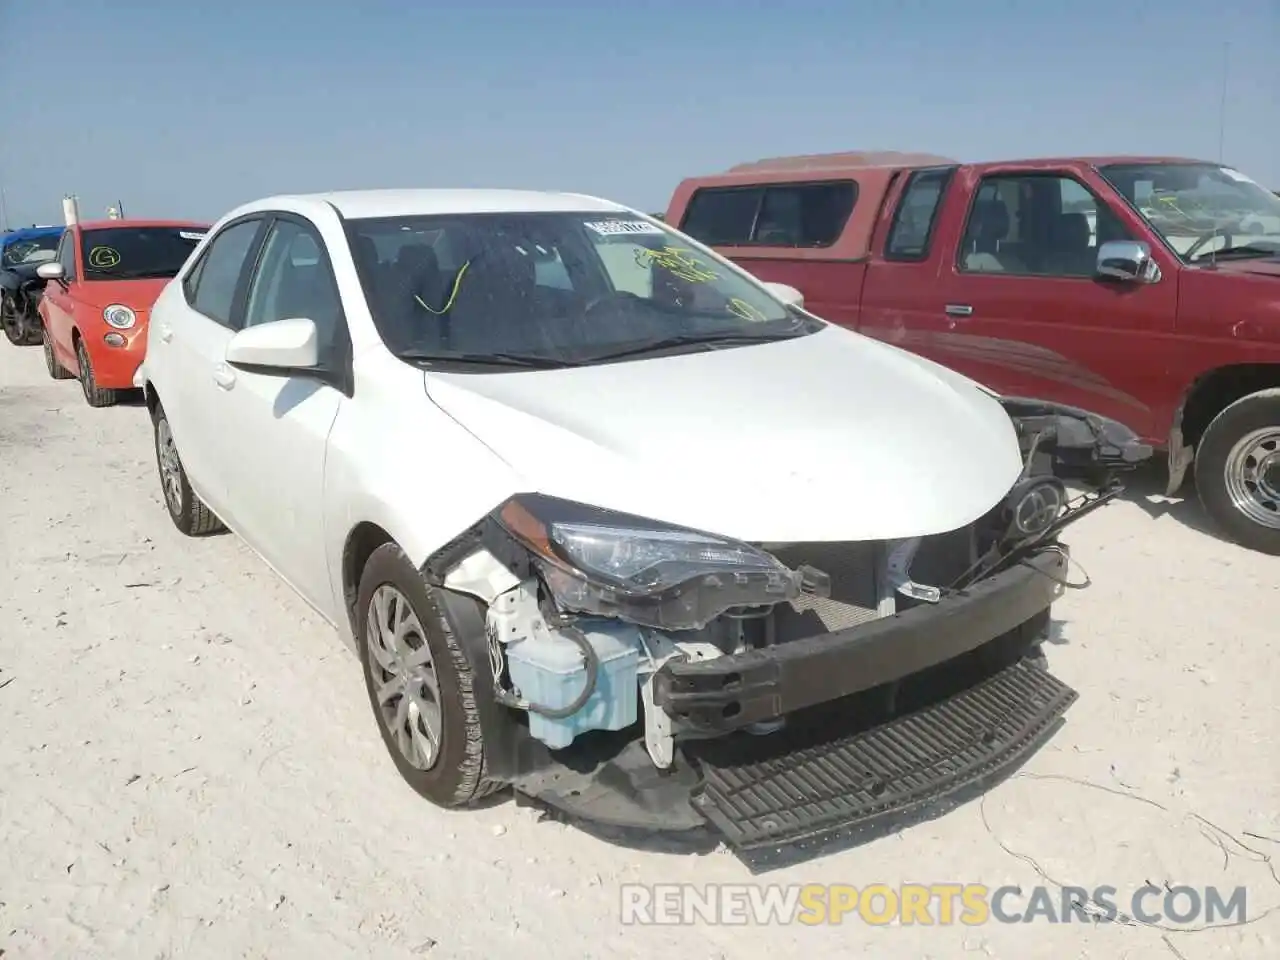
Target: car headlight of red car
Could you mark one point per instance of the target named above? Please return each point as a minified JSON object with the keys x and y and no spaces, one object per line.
{"x":119,"y":316}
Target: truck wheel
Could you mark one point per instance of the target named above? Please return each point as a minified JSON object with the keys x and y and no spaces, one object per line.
{"x":1237,"y":471}
{"x":56,"y":370}
{"x":420,"y":683}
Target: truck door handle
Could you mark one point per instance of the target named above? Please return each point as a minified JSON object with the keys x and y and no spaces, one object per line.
{"x":165,"y":332}
{"x":224,"y":376}
{"x":959,"y":310}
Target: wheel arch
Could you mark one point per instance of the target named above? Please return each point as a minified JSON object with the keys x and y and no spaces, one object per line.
{"x":364,"y":538}
{"x":151,"y":397}
{"x":1205,"y":397}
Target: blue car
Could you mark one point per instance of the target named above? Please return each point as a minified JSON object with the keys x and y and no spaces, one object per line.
{"x":21,"y":252}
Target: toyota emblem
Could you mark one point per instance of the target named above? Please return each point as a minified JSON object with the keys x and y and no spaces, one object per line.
{"x":1038,"y":508}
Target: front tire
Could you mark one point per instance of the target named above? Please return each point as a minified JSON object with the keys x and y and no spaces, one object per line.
{"x":1237,"y":470}
{"x":420,"y":683}
{"x":56,"y":370}
{"x":9,"y":320}
{"x":187,"y":511}
{"x":94,"y":395}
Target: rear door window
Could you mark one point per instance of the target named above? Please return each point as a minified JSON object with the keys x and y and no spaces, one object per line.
{"x":917,"y":212}
{"x":799,"y":215}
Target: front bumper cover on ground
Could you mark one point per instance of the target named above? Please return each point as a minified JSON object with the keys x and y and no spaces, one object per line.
{"x":782,"y":805}
{"x":729,"y":692}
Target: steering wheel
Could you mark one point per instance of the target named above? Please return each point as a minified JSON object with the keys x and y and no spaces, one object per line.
{"x":615,"y":297}
{"x":17,"y":253}
{"x":1226,"y":231}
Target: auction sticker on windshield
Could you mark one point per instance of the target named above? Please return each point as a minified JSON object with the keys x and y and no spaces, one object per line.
{"x":1237,"y":176}
{"x":614,"y":228}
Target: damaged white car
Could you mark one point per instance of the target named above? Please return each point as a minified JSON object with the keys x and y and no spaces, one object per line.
{"x":611,"y":522}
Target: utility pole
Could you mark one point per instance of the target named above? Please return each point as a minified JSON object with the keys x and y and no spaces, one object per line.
{"x":1222,"y":105}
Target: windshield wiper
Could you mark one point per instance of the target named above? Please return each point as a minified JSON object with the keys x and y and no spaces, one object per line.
{"x":689,"y":339}
{"x":525,"y":361}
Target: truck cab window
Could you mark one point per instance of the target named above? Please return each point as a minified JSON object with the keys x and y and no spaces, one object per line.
{"x":1042,"y":225}
{"x":777,"y":215}
{"x":916,"y":214}
{"x":722,"y":217}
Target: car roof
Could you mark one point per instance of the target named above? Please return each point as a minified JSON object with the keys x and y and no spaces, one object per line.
{"x":29,"y":233}
{"x":122,"y":224}
{"x":873,"y":169}
{"x":361,"y":204}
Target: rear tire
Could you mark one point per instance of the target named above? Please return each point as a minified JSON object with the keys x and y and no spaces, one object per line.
{"x":56,"y":370}
{"x":187,"y":511}
{"x":445,"y":700}
{"x":94,"y":395}
{"x":1237,"y":471}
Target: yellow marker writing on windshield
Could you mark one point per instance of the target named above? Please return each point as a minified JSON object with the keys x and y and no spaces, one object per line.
{"x":677,"y":261}
{"x":104,"y":258}
{"x":746,"y":311}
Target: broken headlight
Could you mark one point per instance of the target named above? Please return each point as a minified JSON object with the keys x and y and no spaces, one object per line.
{"x":609,"y":564}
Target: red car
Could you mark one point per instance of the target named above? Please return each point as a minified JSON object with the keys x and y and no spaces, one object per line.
{"x":98,"y":296}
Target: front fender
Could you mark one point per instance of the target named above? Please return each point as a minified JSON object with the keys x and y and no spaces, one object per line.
{"x":1075,"y":444}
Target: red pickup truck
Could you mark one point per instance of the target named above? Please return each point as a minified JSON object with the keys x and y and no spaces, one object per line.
{"x":1145,"y":289}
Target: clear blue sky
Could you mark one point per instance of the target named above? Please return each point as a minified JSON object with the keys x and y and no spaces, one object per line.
{"x":186,"y":108}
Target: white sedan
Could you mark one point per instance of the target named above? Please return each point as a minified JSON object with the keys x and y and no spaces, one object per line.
{"x":583,"y":495}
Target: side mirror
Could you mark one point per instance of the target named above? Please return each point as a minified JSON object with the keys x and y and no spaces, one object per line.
{"x":1127,"y":260}
{"x":51,"y":271}
{"x":788,"y":295}
{"x":281,"y":348}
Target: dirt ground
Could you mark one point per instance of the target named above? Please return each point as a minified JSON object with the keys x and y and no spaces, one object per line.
{"x":189,"y":767}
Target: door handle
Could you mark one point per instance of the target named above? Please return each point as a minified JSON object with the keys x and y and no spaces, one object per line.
{"x":224,"y":376}
{"x":165,"y":332}
{"x":959,"y":310}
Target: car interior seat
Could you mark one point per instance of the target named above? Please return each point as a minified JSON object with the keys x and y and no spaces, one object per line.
{"x":306,"y":291}
{"x":496,"y":307}
{"x":1070,"y":251}
{"x":988,"y":226}
{"x":413,"y":287}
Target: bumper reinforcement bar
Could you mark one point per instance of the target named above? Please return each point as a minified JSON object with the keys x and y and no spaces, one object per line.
{"x":729,"y":692}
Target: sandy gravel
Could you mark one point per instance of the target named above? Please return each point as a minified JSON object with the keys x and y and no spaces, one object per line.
{"x":189,"y":767}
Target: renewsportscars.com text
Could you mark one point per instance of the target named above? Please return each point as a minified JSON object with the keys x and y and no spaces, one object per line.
{"x":943,"y":904}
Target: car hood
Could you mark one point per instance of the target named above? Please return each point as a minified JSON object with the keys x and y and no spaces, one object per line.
{"x":832,"y":436}
{"x":138,"y":295}
{"x":1268,"y":267}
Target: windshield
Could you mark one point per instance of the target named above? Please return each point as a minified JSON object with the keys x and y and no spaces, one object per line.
{"x":30,"y":250}
{"x":1202,"y":209}
{"x":566,"y":288}
{"x":136,"y":253}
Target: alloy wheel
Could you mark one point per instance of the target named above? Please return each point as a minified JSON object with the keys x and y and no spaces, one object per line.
{"x":170,"y":466}
{"x":404,"y":674}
